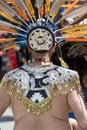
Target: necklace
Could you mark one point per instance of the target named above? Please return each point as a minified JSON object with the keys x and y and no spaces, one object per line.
{"x":40,"y":60}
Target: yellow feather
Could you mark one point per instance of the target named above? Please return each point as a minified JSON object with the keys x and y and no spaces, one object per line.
{"x":63,"y":63}
{"x":7,"y":29}
{"x":76,"y":33}
{"x":47,"y":7}
{"x":68,"y":5}
{"x":2,"y":13}
{"x":2,"y":40}
{"x":30,"y":8}
{"x":19,"y":10}
{"x":8,"y":47}
{"x":74,"y":28}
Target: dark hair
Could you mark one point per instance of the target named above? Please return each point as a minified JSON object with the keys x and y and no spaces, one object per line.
{"x":78,"y":64}
{"x":55,"y":56}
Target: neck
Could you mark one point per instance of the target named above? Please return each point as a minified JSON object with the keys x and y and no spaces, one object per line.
{"x":40,"y":59}
{"x":40,"y":62}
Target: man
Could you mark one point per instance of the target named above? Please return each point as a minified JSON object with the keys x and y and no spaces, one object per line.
{"x":39,"y":92}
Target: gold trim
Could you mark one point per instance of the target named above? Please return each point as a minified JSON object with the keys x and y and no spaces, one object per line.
{"x":38,"y":108}
{"x":71,"y":85}
{"x":45,"y":105}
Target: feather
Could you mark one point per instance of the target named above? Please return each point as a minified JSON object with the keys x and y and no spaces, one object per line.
{"x":76,"y":33}
{"x":8,"y":29}
{"x":30,"y":9}
{"x":47,"y":7}
{"x":70,"y":7}
{"x":54,"y":8}
{"x":24,"y":4}
{"x":2,"y":40}
{"x":38,"y":4}
{"x":82,"y":10}
{"x":8,"y":46}
{"x":41,"y":10}
{"x":74,"y":39}
{"x":78,"y":19}
{"x":20,"y":10}
{"x":79,"y":30}
{"x":77,"y":12}
{"x":74,"y":28}
{"x":6,"y":10}
{"x":9,"y":25}
{"x":11,"y":19}
{"x":13,"y":11}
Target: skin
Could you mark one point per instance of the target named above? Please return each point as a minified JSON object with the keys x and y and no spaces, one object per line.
{"x":84,"y":82}
{"x":54,"y":119}
{"x":73,"y":122}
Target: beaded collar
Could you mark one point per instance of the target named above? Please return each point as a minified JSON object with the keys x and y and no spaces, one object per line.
{"x":35,"y":86}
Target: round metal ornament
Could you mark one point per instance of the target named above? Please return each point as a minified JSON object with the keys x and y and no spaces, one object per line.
{"x":40,"y":39}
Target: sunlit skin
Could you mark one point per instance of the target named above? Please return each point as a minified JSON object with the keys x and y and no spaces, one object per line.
{"x":84,"y":82}
{"x":54,"y":119}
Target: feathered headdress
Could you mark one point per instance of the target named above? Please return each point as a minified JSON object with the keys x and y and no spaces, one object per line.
{"x":41,"y":23}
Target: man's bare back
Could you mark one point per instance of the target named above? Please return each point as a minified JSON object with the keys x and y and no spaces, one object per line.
{"x":54,"y":119}
{"x":38,"y":104}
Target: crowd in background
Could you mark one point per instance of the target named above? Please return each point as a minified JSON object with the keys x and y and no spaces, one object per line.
{"x":11,"y":59}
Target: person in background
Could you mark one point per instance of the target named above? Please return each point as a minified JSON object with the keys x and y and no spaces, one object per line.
{"x":79,"y":64}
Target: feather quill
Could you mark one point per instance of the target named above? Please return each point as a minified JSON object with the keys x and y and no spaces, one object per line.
{"x":2,"y":40}
{"x":24,"y":4}
{"x":54,"y":8}
{"x":77,"y":12}
{"x":9,"y":25}
{"x":70,"y":7}
{"x":2,"y":28}
{"x":74,"y":28}
{"x":11,"y":19}
{"x":82,"y":10}
{"x":76,"y":33}
{"x":47,"y":7}
{"x":8,"y":46}
{"x":30,"y":9}
{"x":73,"y":39}
{"x":38,"y":4}
{"x":19,"y":8}
{"x":78,"y":19}
{"x":6,"y":10}
{"x":13,"y":11}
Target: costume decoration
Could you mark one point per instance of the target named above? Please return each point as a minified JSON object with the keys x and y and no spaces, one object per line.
{"x":56,"y":20}
{"x":40,"y":24}
{"x":36,"y":86}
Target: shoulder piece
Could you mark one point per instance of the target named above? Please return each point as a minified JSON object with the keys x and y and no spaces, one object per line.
{"x":67,"y":81}
{"x":14,"y":80}
{"x":35,"y":86}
